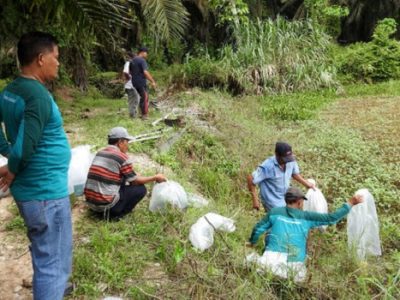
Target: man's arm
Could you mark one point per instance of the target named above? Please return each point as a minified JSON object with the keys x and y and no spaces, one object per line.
{"x":302,"y":181}
{"x":4,"y":145}
{"x":146,"y":179}
{"x":259,"y":229}
{"x":150,"y":78}
{"x":318,"y":219}
{"x":252,"y":188}
{"x":6,"y":178}
{"x":36,"y":115}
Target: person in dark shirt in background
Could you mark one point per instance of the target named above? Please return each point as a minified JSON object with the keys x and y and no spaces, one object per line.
{"x":140,"y":74}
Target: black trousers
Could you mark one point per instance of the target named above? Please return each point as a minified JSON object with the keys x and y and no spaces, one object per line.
{"x":129,"y":196}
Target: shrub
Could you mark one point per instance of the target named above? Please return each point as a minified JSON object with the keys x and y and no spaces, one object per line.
{"x":374,"y":61}
{"x":108,"y":84}
{"x":267,"y":56}
{"x":201,"y":72}
{"x":3,"y":84}
{"x":279,"y":56}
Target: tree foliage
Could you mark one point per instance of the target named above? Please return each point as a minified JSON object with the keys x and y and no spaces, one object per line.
{"x":377,"y":60}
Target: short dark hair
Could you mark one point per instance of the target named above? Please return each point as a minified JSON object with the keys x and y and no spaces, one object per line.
{"x":130,"y":54}
{"x":113,"y":141}
{"x":143,"y":49}
{"x":31,"y":44}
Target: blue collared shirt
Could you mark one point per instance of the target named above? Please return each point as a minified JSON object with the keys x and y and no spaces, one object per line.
{"x":273,"y":181}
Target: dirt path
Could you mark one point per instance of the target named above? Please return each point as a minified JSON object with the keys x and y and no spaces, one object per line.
{"x":15,"y":260}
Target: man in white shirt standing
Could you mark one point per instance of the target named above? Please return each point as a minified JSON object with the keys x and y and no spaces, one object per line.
{"x":133,"y":95}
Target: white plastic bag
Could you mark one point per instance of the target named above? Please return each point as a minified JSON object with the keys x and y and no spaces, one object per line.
{"x":202,"y":232}
{"x":3,"y":162}
{"x":315,"y":201}
{"x":168,"y":192}
{"x":363,"y":227}
{"x":197,"y":200}
{"x":81,"y":159}
{"x":276,"y":262}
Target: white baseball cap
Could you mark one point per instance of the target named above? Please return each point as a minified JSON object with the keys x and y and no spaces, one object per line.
{"x":120,"y":133}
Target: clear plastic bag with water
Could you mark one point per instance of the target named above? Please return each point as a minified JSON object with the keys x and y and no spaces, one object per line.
{"x":197,"y":201}
{"x":168,"y":193}
{"x":81,"y":159}
{"x":316,"y":201}
{"x":363,"y":227}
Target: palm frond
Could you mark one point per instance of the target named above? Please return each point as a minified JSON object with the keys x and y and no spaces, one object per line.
{"x":113,"y":12}
{"x":169,"y":18}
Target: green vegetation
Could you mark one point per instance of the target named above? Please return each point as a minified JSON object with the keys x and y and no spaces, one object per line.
{"x":274,"y":56}
{"x":257,"y":72}
{"x":377,"y":60}
{"x":149,"y":255}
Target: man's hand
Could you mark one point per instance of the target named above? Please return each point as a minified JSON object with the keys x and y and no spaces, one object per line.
{"x":160,"y":178}
{"x":311,"y":185}
{"x":6,"y":180}
{"x":256,"y":205}
{"x":3,"y":170}
{"x":356,"y":199}
{"x":153,"y":84}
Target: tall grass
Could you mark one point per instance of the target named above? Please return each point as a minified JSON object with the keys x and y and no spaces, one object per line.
{"x":279,"y":56}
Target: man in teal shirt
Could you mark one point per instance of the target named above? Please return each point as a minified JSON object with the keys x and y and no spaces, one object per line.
{"x":288,"y":226}
{"x":38,"y":155}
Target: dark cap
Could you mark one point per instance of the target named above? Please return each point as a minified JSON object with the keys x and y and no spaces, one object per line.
{"x":284,"y":151}
{"x":294,"y":194}
{"x":143,"y":49}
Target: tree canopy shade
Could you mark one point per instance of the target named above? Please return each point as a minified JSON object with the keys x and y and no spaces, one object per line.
{"x":358,"y":25}
{"x":80,"y":25}
{"x":364,"y":15}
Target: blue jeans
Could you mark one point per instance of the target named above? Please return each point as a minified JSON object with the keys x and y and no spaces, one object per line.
{"x":50,"y":233}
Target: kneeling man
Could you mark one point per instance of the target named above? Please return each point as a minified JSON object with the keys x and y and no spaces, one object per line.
{"x":112,"y":186}
{"x":288,"y":227}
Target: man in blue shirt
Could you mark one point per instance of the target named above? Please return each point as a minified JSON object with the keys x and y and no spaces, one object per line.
{"x":140,"y":74}
{"x":273,"y":178}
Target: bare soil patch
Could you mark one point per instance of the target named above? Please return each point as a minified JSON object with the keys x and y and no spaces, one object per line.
{"x":15,"y":259}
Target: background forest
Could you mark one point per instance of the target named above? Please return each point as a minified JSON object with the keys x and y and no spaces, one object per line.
{"x":235,"y":44}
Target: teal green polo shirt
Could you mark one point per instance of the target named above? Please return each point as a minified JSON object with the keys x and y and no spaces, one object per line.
{"x":34,"y":141}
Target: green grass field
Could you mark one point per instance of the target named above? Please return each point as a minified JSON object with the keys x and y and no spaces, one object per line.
{"x":345,"y":141}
